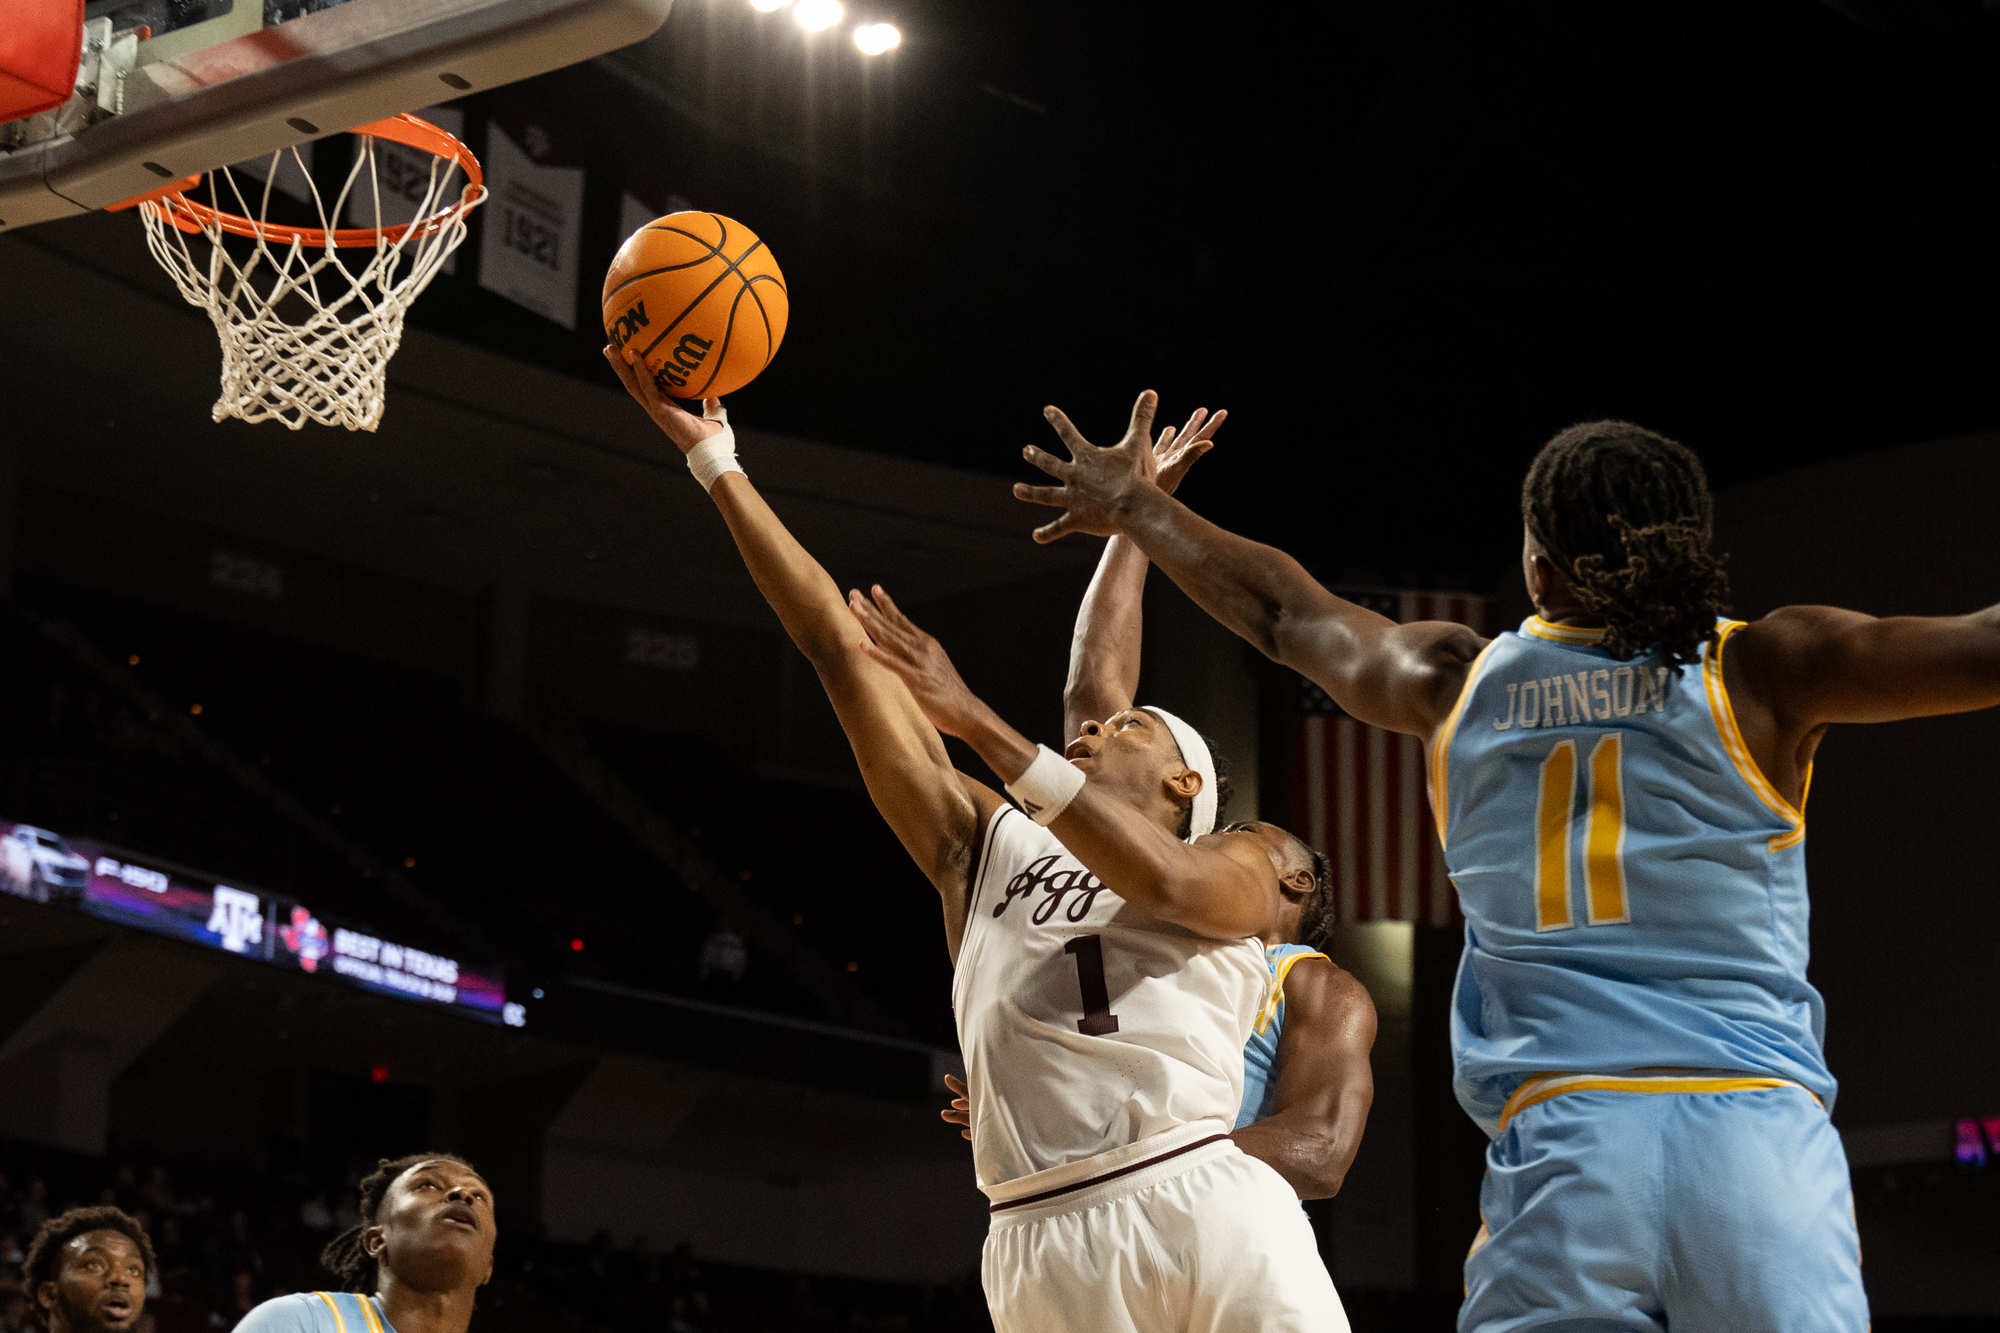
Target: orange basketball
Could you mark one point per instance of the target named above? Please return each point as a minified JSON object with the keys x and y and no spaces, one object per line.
{"x":700,"y":299}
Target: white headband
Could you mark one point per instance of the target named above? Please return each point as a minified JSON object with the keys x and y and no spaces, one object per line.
{"x":1194,"y":753}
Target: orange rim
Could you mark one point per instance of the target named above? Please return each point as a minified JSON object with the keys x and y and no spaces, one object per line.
{"x":193,"y":216}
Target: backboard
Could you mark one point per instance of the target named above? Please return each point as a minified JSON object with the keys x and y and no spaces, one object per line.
{"x":168,"y":88}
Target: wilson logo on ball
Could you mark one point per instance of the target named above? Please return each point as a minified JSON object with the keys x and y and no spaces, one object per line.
{"x":628,"y":324}
{"x":687,"y":357}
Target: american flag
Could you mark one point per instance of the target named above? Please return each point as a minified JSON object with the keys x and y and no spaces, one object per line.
{"x":1358,"y":793}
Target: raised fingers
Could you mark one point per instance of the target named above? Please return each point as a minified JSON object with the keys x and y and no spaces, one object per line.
{"x":890,"y":611}
{"x":1071,"y":437}
{"x":1214,"y":423}
{"x":1054,"y":531}
{"x":1041,"y":495}
{"x":623,"y":369}
{"x":1142,"y":416}
{"x":1046,"y":461}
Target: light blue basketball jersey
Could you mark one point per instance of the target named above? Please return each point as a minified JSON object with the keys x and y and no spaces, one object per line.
{"x":1634,"y":889}
{"x":317,"y":1312}
{"x":1260,"y":1054}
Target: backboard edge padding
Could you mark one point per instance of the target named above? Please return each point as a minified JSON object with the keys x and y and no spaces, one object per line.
{"x":248,"y":115}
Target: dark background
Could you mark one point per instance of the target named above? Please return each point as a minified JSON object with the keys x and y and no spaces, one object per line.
{"x":1402,"y":243}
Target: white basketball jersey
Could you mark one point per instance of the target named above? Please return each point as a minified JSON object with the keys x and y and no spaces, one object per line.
{"x":1086,"y":1024}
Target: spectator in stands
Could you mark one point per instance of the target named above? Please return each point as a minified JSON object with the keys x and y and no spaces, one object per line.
{"x":158,"y":1193}
{"x":347,"y":1215}
{"x":422,"y":1251}
{"x":87,"y":1270}
{"x":170,"y":1254}
{"x":35,"y":1207}
{"x":314,"y":1215}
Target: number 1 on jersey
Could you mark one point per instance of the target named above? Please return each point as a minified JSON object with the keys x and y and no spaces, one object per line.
{"x":1603,"y":839}
{"x":1097,"y":1020}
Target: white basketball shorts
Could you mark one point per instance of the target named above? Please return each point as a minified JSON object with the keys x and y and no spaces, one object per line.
{"x":1204,"y":1240}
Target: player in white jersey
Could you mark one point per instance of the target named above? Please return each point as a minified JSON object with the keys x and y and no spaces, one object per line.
{"x":1104,"y":1028}
{"x":1308,"y":1084}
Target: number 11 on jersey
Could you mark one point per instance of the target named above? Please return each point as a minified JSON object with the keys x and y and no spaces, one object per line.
{"x":1097,"y":1020}
{"x":1603,"y":840}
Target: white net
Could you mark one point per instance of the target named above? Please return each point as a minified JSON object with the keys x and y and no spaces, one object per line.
{"x":309,"y":318}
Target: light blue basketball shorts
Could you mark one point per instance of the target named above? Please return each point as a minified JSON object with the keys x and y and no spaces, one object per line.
{"x":1699,"y":1212}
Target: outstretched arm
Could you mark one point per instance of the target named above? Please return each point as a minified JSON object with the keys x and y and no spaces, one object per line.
{"x":935,"y":811}
{"x":1803,"y":668}
{"x":1325,"y":1083}
{"x":1225,"y":888}
{"x":1402,"y":677}
{"x":1104,"y":654}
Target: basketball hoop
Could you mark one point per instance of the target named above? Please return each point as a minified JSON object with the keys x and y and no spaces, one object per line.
{"x":306,"y":336}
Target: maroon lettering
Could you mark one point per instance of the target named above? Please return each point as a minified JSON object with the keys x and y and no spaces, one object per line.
{"x":1057,"y":884}
{"x":1097,"y":1020}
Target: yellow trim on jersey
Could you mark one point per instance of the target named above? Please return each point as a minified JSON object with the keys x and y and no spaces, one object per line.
{"x":1542,"y":1087}
{"x":1571,"y":634}
{"x":1441,"y":745}
{"x":1739,"y":753}
{"x":369,"y":1313}
{"x":333,"y":1306}
{"x":1277,"y":995}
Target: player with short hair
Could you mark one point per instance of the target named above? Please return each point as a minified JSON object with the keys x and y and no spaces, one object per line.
{"x":87,"y":1270}
{"x":1620,"y":787}
{"x":414,"y":1264}
{"x":1103,"y":1028}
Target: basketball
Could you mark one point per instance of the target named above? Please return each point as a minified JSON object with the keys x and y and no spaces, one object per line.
{"x":700,"y":299}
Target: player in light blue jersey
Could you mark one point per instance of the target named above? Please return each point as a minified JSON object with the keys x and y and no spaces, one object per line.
{"x":423,"y":1250}
{"x":1620,"y":787}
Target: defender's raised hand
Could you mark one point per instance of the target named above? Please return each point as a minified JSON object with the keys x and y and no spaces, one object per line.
{"x":1096,"y":483}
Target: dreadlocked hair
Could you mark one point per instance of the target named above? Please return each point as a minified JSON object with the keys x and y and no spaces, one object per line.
{"x":1221,"y":762}
{"x":1320,"y":910}
{"x":344,"y":1256}
{"x":44,"y":1260}
{"x":1626,"y":515}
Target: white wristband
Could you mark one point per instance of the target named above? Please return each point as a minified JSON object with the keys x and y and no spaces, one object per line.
{"x":716,"y":454}
{"x":1048,"y":786}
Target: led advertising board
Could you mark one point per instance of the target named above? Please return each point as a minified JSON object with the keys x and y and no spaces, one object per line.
{"x":157,"y":896}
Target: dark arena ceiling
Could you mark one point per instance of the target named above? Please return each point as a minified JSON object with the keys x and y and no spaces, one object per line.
{"x":1402,"y":243}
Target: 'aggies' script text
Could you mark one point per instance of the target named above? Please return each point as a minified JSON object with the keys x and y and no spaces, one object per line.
{"x":1057,"y":884}
{"x":1585,"y":696}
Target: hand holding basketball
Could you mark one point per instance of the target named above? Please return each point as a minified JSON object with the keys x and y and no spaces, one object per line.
{"x":684,"y":428}
{"x":701,"y":301}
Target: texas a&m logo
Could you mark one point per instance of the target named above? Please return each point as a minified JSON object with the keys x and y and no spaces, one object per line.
{"x":1041,"y":873}
{"x":687,"y":358}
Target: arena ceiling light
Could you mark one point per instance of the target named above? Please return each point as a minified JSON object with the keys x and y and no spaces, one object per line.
{"x":768,"y":6}
{"x":818,"y":15}
{"x":875,"y":38}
